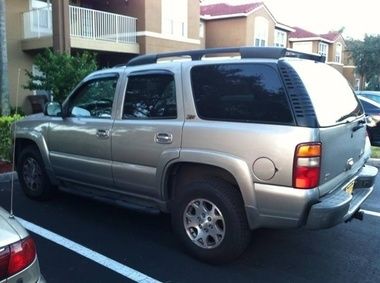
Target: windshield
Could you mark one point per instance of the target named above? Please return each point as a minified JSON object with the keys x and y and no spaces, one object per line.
{"x":332,"y":97}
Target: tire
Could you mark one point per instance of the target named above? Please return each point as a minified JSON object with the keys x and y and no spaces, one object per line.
{"x":209,"y":219}
{"x":32,"y":174}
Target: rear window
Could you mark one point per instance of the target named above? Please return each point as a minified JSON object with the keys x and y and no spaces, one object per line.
{"x":333,"y":99}
{"x":240,"y":93}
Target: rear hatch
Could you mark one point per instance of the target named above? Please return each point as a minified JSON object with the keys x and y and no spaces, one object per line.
{"x":341,"y":121}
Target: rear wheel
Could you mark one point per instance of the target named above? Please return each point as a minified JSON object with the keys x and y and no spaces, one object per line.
{"x":32,"y":175}
{"x":209,"y":219}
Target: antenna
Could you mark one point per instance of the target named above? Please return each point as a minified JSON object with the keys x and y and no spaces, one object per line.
{"x":14,"y":144}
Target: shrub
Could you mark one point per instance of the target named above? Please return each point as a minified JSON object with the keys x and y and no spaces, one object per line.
{"x":60,"y":72}
{"x":5,"y":136}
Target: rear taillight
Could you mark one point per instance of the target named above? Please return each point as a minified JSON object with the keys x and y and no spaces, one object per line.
{"x":16,"y":257}
{"x":307,"y":165}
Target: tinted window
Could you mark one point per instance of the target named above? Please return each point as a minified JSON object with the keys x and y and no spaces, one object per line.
{"x":240,"y":92}
{"x":94,"y":99}
{"x":150,"y":97}
{"x":332,"y":97}
{"x":369,"y":108}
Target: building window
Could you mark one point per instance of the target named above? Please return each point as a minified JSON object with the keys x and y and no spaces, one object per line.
{"x":201,"y":29}
{"x":338,"y":53}
{"x":357,"y":84}
{"x":174,"y":17}
{"x":261,"y":32}
{"x":38,"y":4}
{"x":306,"y":47}
{"x":280,"y":38}
{"x":323,"y":49}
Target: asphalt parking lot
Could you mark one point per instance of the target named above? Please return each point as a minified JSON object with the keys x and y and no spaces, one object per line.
{"x":142,"y":246}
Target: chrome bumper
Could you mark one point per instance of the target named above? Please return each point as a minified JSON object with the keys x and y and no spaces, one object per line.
{"x":340,"y":206}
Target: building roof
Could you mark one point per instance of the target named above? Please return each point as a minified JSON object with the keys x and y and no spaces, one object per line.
{"x":331,"y":35}
{"x":300,"y":34}
{"x":223,"y":9}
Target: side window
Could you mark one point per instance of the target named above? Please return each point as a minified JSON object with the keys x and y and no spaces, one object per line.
{"x":150,"y":96}
{"x":241,"y":93}
{"x":94,"y":99}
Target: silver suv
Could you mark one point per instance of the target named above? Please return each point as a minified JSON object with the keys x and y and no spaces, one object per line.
{"x":270,"y":138}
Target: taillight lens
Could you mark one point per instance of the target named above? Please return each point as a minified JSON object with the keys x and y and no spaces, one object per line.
{"x":307,"y":165}
{"x":16,"y":257}
{"x":4,"y":260}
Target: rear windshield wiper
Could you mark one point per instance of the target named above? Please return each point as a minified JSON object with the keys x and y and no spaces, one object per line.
{"x":345,"y":117}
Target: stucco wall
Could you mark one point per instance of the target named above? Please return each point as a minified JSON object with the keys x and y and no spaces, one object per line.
{"x":17,"y":59}
{"x":226,"y":32}
{"x":251,"y":26}
{"x":157,"y":45}
{"x":332,"y":50}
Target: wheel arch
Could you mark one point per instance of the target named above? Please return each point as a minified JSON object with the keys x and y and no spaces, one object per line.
{"x":193,"y":165}
{"x":39,"y":143}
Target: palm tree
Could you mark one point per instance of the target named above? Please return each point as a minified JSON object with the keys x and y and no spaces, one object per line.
{"x":4,"y":92}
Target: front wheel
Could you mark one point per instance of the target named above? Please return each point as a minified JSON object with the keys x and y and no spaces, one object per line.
{"x":32,"y":175}
{"x":209,"y":219}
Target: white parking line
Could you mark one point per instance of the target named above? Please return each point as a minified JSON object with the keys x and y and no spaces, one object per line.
{"x":90,"y":254}
{"x":373,"y":213}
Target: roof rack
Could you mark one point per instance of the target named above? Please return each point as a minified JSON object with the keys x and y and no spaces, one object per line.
{"x":245,"y":52}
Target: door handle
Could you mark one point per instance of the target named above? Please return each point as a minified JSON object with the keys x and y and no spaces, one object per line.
{"x":163,"y":138}
{"x":103,"y":134}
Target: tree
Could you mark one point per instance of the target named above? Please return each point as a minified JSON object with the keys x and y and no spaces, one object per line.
{"x":60,"y":72}
{"x":4,"y":90}
{"x":366,"y":57}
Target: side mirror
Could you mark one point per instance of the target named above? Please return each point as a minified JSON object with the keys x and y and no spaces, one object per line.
{"x":53,"y":109}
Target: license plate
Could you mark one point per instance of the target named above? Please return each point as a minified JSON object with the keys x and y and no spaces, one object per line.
{"x":350,"y":187}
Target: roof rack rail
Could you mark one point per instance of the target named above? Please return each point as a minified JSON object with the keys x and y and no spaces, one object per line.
{"x":245,"y":52}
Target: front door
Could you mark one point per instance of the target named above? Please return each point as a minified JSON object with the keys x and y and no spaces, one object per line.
{"x":80,"y":144}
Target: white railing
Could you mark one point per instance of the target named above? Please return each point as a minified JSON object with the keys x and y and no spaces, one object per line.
{"x":84,"y":23}
{"x":38,"y":23}
{"x":98,"y":25}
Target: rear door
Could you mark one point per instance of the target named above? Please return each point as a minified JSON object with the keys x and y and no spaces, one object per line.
{"x":341,"y":122}
{"x":148,"y":135}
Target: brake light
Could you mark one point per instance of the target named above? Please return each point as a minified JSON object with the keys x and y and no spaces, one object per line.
{"x":16,"y":257}
{"x":307,"y":165}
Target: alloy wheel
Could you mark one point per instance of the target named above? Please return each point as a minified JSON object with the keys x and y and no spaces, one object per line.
{"x":32,"y":174}
{"x":204,"y":223}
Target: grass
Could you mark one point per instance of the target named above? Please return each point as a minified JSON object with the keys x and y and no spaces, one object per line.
{"x":375,"y":152}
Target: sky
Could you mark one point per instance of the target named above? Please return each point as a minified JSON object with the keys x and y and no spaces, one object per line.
{"x":357,"y":17}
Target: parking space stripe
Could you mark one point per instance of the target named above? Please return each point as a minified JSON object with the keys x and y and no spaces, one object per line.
{"x":373,"y":213}
{"x":88,"y":253}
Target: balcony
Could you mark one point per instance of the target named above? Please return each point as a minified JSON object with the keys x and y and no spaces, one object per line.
{"x":89,"y":29}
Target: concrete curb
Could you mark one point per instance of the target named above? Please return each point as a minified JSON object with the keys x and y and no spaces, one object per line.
{"x":7,"y":177}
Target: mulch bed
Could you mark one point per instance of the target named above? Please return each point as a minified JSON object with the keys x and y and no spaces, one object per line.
{"x":5,"y":166}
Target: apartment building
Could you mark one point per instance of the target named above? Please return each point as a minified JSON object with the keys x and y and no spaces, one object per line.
{"x":331,"y":45}
{"x":116,"y":30}
{"x":250,"y":24}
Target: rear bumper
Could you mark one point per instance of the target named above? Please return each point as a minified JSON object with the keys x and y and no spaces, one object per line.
{"x":340,"y":206}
